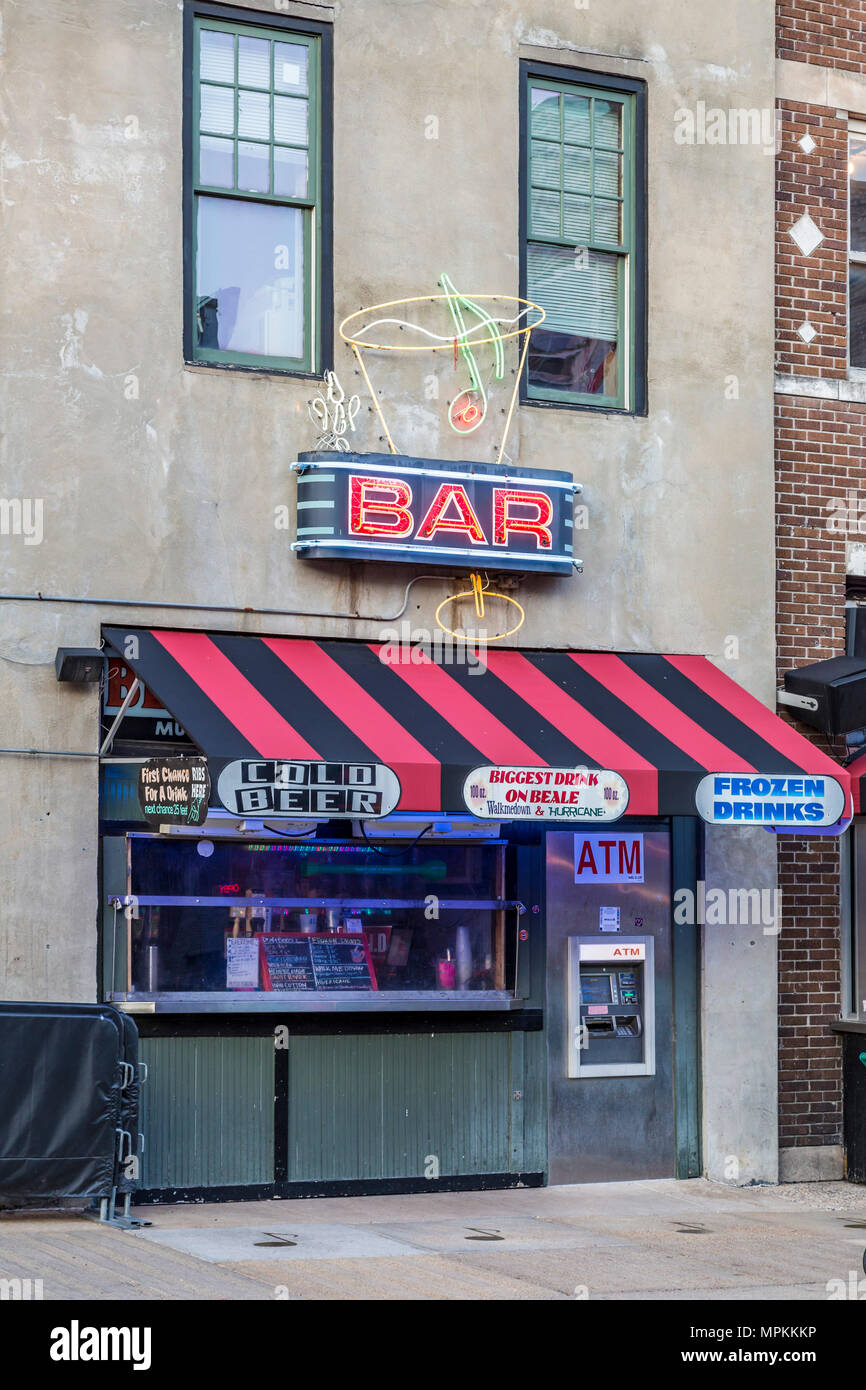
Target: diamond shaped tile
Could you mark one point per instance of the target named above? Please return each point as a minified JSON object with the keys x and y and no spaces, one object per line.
{"x":807,"y":332}
{"x":806,"y":235}
{"x":806,"y":143}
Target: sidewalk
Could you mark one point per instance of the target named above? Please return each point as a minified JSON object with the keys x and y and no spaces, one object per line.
{"x":643,"y":1240}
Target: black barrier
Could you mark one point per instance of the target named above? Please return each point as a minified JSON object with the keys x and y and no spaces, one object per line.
{"x":69,"y":1103}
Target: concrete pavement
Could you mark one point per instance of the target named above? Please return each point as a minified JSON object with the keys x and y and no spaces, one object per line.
{"x":642,"y":1240}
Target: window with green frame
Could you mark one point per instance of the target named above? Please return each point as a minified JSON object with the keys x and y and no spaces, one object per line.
{"x":580,"y":261}
{"x":254,"y":206}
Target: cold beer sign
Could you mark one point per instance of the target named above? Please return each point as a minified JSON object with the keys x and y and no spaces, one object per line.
{"x":272,"y":787}
{"x":392,"y":507}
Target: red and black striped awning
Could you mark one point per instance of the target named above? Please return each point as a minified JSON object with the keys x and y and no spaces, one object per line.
{"x":857,"y":772}
{"x":662,"y":722}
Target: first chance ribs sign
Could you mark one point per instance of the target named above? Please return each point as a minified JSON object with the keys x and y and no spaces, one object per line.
{"x":174,"y":789}
{"x":393,"y":507}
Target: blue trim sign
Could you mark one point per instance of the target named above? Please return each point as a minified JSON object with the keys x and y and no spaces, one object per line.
{"x":801,"y":800}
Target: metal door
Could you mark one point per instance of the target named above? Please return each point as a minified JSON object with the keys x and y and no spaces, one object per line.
{"x":609,"y":1128}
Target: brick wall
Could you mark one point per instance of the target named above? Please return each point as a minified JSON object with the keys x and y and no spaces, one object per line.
{"x":810,"y":1056}
{"x":819,"y":31}
{"x":820,"y":451}
{"x":820,"y":447}
{"x":812,"y":288}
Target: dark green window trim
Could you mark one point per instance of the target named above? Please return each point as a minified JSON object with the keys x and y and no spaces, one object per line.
{"x":315,"y":207}
{"x":540,"y":173}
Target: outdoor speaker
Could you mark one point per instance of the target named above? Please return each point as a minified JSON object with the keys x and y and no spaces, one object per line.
{"x":839,"y":686}
{"x":79,"y":664}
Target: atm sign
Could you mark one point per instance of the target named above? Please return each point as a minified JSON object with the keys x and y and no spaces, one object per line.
{"x":604,"y":858}
{"x":607,"y":951}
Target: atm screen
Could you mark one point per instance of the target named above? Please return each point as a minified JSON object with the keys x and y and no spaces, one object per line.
{"x":595,"y":989}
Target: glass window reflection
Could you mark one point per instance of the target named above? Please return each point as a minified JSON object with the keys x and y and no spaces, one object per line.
{"x":250,"y":277}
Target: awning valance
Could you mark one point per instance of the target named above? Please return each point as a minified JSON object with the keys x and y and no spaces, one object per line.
{"x":662,"y":722}
{"x":856,"y":770}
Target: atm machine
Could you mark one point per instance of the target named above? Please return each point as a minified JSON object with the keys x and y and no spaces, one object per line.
{"x":609,"y":1016}
{"x":611,"y":1007}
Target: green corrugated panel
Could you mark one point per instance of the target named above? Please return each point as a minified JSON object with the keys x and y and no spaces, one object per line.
{"x":207,"y":1111}
{"x":535,"y":1103}
{"x":382,"y":1106}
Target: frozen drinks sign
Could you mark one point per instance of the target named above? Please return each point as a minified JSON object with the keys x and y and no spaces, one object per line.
{"x":548,"y":793}
{"x":276,"y":787}
{"x":734,"y":798}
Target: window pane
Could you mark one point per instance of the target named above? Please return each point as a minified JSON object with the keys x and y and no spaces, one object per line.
{"x":250,"y":277}
{"x":607,"y":174}
{"x":857,"y":315}
{"x":607,"y":130}
{"x":575,"y":218}
{"x":290,"y":68}
{"x":544,"y":117}
{"x":217,"y":55}
{"x":184,"y":946}
{"x":857,"y":173}
{"x":575,"y":116}
{"x":576,"y":347}
{"x":606,"y":226}
{"x":254,"y":62}
{"x":254,"y":114}
{"x":290,"y":120}
{"x":544,"y":213}
{"x":254,"y":173}
{"x":290,"y":172}
{"x":218,"y":109}
{"x":545,"y":163}
{"x":575,"y":164}
{"x":216,"y":164}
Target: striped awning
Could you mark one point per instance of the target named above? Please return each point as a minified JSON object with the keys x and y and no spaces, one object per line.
{"x":857,"y":772}
{"x":662,"y":722}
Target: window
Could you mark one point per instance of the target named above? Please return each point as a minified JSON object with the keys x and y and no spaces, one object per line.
{"x":326,"y":918}
{"x":582,"y":238}
{"x":257,"y":196}
{"x":857,"y":246}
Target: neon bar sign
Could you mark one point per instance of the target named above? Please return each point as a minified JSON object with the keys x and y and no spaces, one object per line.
{"x":387,"y":507}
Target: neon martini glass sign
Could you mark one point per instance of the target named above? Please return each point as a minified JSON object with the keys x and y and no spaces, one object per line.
{"x":476,"y":322}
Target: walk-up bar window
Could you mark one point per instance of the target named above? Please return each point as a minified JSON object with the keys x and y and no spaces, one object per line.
{"x":291,"y":924}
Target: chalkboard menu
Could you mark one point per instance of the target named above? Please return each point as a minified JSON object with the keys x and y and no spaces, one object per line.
{"x":174,"y":789}
{"x":327,"y":961}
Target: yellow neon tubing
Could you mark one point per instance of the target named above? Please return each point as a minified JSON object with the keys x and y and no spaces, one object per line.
{"x":357,"y":352}
{"x":474,"y":593}
{"x":447,"y":346}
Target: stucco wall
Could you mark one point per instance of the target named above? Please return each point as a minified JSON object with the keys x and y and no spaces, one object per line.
{"x":160,"y":482}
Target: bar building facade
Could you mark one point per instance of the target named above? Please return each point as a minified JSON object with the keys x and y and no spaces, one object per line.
{"x":417,"y":986}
